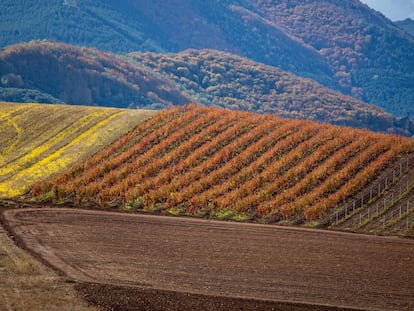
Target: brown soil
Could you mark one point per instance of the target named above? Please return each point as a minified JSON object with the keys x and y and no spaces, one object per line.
{"x":162,"y":263}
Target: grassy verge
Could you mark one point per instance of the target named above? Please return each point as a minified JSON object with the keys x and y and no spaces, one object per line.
{"x":26,"y":284}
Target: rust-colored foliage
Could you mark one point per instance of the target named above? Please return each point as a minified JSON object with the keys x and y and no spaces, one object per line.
{"x":205,"y":160}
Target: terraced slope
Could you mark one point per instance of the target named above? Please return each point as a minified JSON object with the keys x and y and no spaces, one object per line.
{"x":229,"y":164}
{"x":39,"y":140}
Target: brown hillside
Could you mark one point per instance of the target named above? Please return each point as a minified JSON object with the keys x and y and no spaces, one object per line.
{"x":226,"y":80}
{"x":84,"y":76}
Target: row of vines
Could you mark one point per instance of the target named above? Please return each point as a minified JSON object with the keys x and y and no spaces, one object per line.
{"x":206,"y":160}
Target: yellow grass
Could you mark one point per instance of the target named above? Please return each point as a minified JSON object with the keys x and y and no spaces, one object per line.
{"x":39,"y":140}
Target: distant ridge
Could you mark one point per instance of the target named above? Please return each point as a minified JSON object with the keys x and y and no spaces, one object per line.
{"x":69,"y":74}
{"x":407,"y":25}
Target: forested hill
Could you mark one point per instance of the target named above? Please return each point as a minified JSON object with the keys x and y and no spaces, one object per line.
{"x":407,"y":25}
{"x":372,"y":58}
{"x":221,"y":79}
{"x":53,"y":72}
{"x":342,"y":44}
{"x":74,"y":75}
{"x":160,"y":26}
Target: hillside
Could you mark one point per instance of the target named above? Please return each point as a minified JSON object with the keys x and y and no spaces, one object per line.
{"x":229,"y":165}
{"x":225,"y":80}
{"x":81,"y":76}
{"x":65,"y":73}
{"x":407,"y":25}
{"x":342,"y":44}
{"x":41,"y":140}
{"x":172,"y":26}
{"x":373,"y":59}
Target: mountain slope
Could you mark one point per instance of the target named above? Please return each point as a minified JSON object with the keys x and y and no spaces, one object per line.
{"x":81,"y":76}
{"x":126,"y":26}
{"x":407,"y":25}
{"x":342,"y":44}
{"x":40,"y":140}
{"x":229,"y":81}
{"x":86,"y":76}
{"x":373,"y":59}
{"x":230,"y":164}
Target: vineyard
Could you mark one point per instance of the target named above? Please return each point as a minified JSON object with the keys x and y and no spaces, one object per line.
{"x":386,"y":207}
{"x":40,"y":140}
{"x":229,"y":165}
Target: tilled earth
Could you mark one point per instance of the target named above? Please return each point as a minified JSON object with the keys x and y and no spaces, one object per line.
{"x":142,"y":262}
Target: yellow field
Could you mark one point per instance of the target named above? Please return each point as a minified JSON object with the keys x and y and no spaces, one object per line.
{"x":40,"y":140}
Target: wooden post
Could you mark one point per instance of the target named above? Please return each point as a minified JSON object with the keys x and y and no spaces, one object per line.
{"x":360,"y":218}
{"x":370,"y":194}
{"x":353,"y":206}
{"x":400,"y":210}
{"x":379,"y":188}
{"x":336,"y":217}
{"x":383,"y":223}
{"x":392,"y":199}
{"x":386,"y":182}
{"x":369,"y":214}
{"x":400,"y":169}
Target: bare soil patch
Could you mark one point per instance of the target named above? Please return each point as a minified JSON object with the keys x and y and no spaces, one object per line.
{"x":190,"y":258}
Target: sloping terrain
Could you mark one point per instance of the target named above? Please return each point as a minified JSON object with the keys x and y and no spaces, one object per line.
{"x":126,"y":26}
{"x":229,"y":165}
{"x":64,"y":73}
{"x":387,"y":207}
{"x":222,"y":79}
{"x":342,"y":44}
{"x":407,"y":25}
{"x":40,"y":140}
{"x":372,"y":58}
{"x":81,"y":76}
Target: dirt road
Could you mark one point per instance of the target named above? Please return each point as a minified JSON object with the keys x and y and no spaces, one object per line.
{"x":222,"y":259}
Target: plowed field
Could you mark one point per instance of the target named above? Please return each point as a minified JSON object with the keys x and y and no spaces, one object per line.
{"x":218,"y":259}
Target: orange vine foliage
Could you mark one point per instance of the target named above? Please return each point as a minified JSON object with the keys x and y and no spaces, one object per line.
{"x":206,"y":160}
